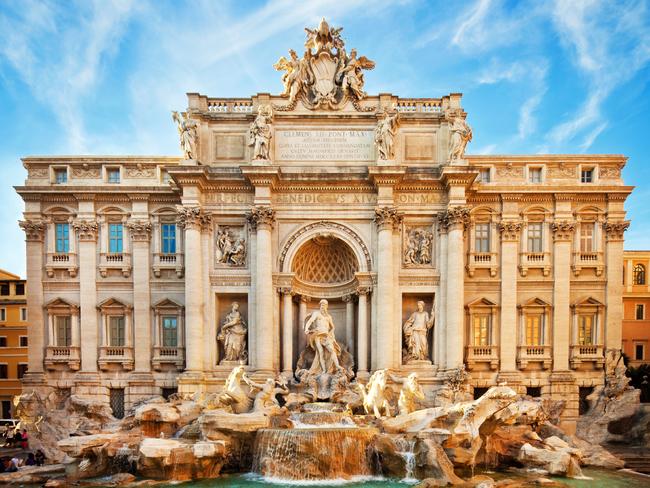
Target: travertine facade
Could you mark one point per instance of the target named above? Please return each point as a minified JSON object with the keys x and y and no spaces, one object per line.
{"x":323,"y":192}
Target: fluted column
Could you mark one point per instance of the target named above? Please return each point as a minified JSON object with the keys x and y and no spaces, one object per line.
{"x":87,"y":231}
{"x":191,"y":219}
{"x":455,"y":220}
{"x":614,"y":232}
{"x":386,"y":219}
{"x":287,"y":331}
{"x":362,"y":331}
{"x":140,"y":231}
{"x":34,"y":234}
{"x":261,"y":218}
{"x":562,"y":236}
{"x":349,"y":322}
{"x":510,"y":232}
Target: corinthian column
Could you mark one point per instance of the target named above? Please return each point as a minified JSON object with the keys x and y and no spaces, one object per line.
{"x":287,"y":332}
{"x":510,"y":232}
{"x":455,"y":220}
{"x":387,"y":220}
{"x":614,"y":258}
{"x":191,"y":219}
{"x":362,"y":332}
{"x":562,"y":235}
{"x":141,"y":233}
{"x":261,"y":219}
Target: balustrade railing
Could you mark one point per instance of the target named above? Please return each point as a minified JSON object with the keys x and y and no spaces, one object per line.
{"x":229,"y":105}
{"x":419,"y":105}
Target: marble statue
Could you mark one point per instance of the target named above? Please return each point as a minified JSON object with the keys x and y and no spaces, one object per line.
{"x":230,"y":251}
{"x":266,"y":397}
{"x":297,"y":76}
{"x":187,"y":131}
{"x":259,"y":133}
{"x":416,"y":331}
{"x":385,"y":136}
{"x":418,"y":247}
{"x":374,"y":394}
{"x":323,"y":37}
{"x":461,"y":134}
{"x":233,"y":335}
{"x":350,"y":75}
{"x":234,"y":395}
{"x":320,"y":336}
{"x":409,"y":395}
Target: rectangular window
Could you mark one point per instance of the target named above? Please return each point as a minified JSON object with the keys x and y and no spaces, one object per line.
{"x":534,"y":330}
{"x":639,"y":352}
{"x":535,"y":237}
{"x":169,"y":332}
{"x":3,"y":341}
{"x":20,"y":289}
{"x":23,"y":314}
{"x":60,"y":175}
{"x":3,"y":314}
{"x":640,"y":311}
{"x":535,"y":175}
{"x":3,"y":371}
{"x":62,"y":232}
{"x":115,"y":232}
{"x":484,"y":175}
{"x":113,"y":175}
{"x":482,"y":238}
{"x":587,"y":176}
{"x":168,"y":235}
{"x":4,"y":289}
{"x":117,"y":330}
{"x":481,"y":330}
{"x":22,"y":341}
{"x":63,"y":324}
{"x":22,"y":369}
{"x":586,"y":330}
{"x":587,"y":237}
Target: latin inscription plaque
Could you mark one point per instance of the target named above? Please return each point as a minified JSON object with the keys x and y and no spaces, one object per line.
{"x":325,"y":145}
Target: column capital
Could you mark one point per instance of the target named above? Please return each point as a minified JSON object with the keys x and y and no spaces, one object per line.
{"x":140,"y":230}
{"x":363,"y":290}
{"x":192,"y":217}
{"x":260,"y":217}
{"x":509,"y":230}
{"x":387,"y":218}
{"x":563,"y":230}
{"x":286,"y":290}
{"x":34,"y":230}
{"x":87,"y":229}
{"x":455,"y":216}
{"x":305,"y":298}
{"x":348,"y":298}
{"x":615,"y":230}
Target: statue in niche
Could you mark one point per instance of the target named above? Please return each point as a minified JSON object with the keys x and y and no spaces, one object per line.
{"x":418,"y":247}
{"x":259,"y":133}
{"x":230,"y":251}
{"x":416,"y":332}
{"x":320,"y":336}
{"x":385,"y":136}
{"x":188,"y":136}
{"x":233,"y":335}
{"x":461,"y":134}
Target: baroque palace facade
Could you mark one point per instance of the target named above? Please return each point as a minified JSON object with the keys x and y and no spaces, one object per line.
{"x":134,"y":264}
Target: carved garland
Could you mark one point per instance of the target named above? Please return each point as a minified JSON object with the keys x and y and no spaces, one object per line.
{"x":34,"y":229}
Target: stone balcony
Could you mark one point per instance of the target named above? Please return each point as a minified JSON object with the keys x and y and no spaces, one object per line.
{"x":61,"y":260}
{"x":582,"y":260}
{"x":168,"y":261}
{"x":120,"y":261}
{"x":114,"y":357}
{"x":538,"y":260}
{"x":165,"y":357}
{"x":478,"y":356}
{"x":534,"y":354}
{"x":483,"y":260}
{"x":60,"y":357}
{"x":590,"y":354}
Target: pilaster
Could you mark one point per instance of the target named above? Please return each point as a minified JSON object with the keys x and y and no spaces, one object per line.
{"x":614,"y":232}
{"x":510,"y":232}
{"x":562,"y":235}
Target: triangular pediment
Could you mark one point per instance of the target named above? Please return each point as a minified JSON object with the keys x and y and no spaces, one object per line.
{"x":535,"y":302}
{"x":481,"y":302}
{"x":112,"y":302}
{"x":60,"y":302}
{"x":167,"y":303}
{"x":588,"y":302}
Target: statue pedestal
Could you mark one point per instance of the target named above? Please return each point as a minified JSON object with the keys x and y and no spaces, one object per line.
{"x":261,"y":162}
{"x":386,"y":162}
{"x":190,"y":162}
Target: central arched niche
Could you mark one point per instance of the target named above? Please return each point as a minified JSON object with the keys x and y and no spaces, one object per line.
{"x":325,"y":260}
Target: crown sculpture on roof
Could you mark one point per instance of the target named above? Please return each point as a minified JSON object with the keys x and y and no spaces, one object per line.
{"x":326,"y":76}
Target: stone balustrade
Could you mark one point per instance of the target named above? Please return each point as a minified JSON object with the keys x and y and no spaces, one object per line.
{"x":230,"y":105}
{"x":112,"y":356}
{"x":587,"y":353}
{"x":487,"y":260}
{"x":593,"y":259}
{"x":541,"y":260}
{"x":167,"y":355}
{"x":66,"y":261}
{"x":120,"y":261}
{"x":168,"y":261}
{"x":476,"y":355}
{"x":538,"y":354}
{"x":57,"y":357}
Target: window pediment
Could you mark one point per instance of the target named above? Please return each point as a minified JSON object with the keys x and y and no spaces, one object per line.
{"x":535,"y":303}
{"x":167,"y":304}
{"x":113,"y":305}
{"x":61,"y":305}
{"x":481,"y":303}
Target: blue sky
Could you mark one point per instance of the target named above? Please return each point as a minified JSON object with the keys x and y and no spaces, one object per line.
{"x":100,"y":77}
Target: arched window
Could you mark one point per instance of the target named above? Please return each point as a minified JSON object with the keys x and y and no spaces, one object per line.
{"x":639,"y":274}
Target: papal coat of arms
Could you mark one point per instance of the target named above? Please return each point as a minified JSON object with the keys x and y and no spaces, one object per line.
{"x":326,"y":76}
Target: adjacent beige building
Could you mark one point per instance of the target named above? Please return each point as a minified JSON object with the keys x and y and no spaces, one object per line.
{"x":324,"y":192}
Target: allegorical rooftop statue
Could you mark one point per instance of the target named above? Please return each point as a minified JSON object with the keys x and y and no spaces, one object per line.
{"x":187,"y":134}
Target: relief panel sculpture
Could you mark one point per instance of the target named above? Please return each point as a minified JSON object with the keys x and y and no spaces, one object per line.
{"x":231,"y":246}
{"x":418,"y":242}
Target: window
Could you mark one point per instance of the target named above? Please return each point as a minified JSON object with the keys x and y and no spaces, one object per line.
{"x":481,"y":330}
{"x":20,"y":289}
{"x":168,"y":238}
{"x":587,"y":176}
{"x":639,"y":275}
{"x":169,"y":332}
{"x":23,"y":314}
{"x":484,"y":175}
{"x":3,"y":314}
{"x":535,"y":237}
{"x":63,"y":324}
{"x":3,"y":341}
{"x":117,"y":331}
{"x":3,"y":371}
{"x":22,"y":369}
{"x":535,"y":175}
{"x":60,"y":175}
{"x":115,"y":232}
{"x":116,"y":400}
{"x":482,"y":238}
{"x":4,"y":289}
{"x":639,"y":352}
{"x":587,"y":237}
{"x":62,"y":232}
{"x":22,"y":341}
{"x":113,"y":175}
{"x":639,"y":311}
{"x":6,"y":409}
{"x":586,"y":330}
{"x":534,"y":335}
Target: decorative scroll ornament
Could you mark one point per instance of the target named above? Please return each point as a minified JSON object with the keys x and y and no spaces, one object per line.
{"x":563,"y":230}
{"x":460,"y":135}
{"x":509,"y":230}
{"x":387,"y":217}
{"x":261,"y":215}
{"x":34,"y":229}
{"x":326,"y":76}
{"x":192,"y":217}
{"x":455,"y":216}
{"x":87,"y":229}
{"x":140,"y":229}
{"x":615,"y":230}
{"x":259,"y":133}
{"x":187,"y":132}
{"x":385,"y":136}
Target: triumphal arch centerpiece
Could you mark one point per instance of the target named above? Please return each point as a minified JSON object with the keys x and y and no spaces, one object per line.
{"x":319,"y":235}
